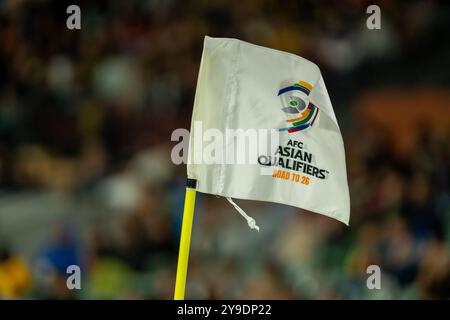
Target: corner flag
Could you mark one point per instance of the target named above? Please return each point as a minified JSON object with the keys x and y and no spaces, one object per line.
{"x":246,"y":87}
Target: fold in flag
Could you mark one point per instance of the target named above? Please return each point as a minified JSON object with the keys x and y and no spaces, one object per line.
{"x":242,"y":86}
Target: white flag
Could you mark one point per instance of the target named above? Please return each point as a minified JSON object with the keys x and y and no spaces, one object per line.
{"x":245,"y":89}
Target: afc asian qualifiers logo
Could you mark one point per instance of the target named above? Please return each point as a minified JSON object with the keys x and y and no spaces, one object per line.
{"x":300,"y":113}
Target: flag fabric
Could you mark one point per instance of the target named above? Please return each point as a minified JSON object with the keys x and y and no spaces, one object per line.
{"x":242,"y":86}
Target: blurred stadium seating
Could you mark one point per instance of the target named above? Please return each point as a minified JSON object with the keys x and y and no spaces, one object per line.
{"x":85,"y":171}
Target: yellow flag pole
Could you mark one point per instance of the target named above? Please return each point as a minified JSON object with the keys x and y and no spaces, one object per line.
{"x":185,"y":239}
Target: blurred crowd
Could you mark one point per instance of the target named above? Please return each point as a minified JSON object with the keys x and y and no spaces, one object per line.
{"x":86,"y":118}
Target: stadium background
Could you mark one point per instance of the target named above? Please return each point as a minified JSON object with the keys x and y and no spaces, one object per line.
{"x":85,"y":171}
